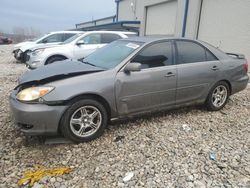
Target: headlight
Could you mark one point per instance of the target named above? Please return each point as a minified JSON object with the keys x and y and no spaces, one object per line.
{"x":33,"y":93}
{"x":37,"y":52}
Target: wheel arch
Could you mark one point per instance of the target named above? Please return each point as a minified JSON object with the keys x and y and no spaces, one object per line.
{"x":228,"y":83}
{"x":93,"y":96}
{"x":54,"y":55}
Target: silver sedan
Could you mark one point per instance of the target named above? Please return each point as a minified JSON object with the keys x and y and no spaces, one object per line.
{"x":127,"y":77}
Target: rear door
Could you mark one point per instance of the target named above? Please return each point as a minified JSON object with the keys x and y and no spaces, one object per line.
{"x":152,"y":87}
{"x":197,"y":70}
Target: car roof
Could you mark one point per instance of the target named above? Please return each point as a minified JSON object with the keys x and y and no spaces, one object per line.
{"x":117,"y":32}
{"x":54,"y":32}
{"x":155,"y":39}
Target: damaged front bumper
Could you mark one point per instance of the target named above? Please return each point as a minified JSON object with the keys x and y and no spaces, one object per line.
{"x":33,"y":62}
{"x":18,"y":54}
{"x":36,"y":119}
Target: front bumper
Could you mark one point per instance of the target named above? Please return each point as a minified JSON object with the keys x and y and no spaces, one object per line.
{"x":33,"y":62}
{"x":36,"y":119}
{"x":18,"y":54}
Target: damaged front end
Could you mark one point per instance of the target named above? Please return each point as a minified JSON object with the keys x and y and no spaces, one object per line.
{"x":32,"y":113}
{"x":21,"y":56}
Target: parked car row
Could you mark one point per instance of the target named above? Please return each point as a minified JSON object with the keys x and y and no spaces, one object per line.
{"x":130,"y":76}
{"x":65,"y":45}
{"x":76,"y":47}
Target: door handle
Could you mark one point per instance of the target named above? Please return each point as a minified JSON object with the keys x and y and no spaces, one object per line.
{"x":169,"y":74}
{"x":214,"y":68}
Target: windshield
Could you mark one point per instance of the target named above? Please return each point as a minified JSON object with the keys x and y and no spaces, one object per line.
{"x":71,"y":38}
{"x":38,"y":40}
{"x":113,"y":54}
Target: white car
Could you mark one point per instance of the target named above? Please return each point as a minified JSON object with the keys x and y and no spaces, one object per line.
{"x":76,"y":47}
{"x":52,"y":38}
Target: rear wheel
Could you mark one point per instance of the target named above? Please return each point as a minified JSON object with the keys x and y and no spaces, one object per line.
{"x":84,"y":121}
{"x":218,"y":96}
{"x":54,"y":59}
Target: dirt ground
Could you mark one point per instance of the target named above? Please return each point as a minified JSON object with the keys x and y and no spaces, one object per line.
{"x":189,"y":147}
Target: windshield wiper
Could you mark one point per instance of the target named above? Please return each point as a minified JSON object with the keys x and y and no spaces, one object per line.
{"x":88,"y":63}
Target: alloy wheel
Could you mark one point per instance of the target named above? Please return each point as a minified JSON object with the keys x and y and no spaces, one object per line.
{"x":219,"y":96}
{"x":85,"y":121}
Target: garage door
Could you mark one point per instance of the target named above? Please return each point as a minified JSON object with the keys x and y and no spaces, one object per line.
{"x":161,"y":19}
{"x":226,"y":24}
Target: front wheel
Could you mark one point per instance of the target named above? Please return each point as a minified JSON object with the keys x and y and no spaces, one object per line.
{"x":84,"y":121}
{"x":218,"y":96}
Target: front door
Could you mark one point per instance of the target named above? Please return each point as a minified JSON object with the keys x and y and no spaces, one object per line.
{"x":152,"y":87}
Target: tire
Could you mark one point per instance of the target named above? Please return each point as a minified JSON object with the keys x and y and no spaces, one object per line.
{"x":77,"y":119}
{"x":54,"y":59}
{"x":216,"y":94}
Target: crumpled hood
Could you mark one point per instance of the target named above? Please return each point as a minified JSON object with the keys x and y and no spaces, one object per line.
{"x":56,"y":71}
{"x":22,"y":44}
{"x":50,"y":45}
{"x":32,"y":46}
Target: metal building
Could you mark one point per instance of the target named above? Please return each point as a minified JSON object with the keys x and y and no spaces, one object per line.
{"x":223,"y":23}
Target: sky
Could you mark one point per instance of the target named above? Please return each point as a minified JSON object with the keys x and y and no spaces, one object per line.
{"x":51,"y":15}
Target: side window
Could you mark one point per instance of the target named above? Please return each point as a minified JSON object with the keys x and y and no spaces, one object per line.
{"x":155,"y":55}
{"x":210,"y":56}
{"x":67,"y":36}
{"x":190,"y":52}
{"x":92,"y":39}
{"x":108,"y":37}
{"x":53,"y":38}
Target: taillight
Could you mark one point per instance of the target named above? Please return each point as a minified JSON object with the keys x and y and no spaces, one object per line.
{"x":246,"y":67}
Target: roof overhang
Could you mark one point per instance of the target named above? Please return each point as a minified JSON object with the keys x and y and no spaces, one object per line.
{"x":120,"y":25}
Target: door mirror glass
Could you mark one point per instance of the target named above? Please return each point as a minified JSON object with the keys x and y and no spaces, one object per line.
{"x":132,"y":67}
{"x":80,"y":42}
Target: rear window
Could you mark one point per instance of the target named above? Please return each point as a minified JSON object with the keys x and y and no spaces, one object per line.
{"x":108,"y":37}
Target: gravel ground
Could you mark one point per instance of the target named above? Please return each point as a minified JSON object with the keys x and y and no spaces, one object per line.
{"x":168,"y":149}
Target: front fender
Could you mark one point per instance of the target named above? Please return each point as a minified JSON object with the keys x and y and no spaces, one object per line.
{"x":100,"y":84}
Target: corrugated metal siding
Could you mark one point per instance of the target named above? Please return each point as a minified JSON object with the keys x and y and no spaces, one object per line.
{"x":226,"y":24}
{"x":161,"y":19}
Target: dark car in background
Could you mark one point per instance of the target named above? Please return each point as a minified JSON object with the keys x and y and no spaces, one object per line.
{"x":5,"y":40}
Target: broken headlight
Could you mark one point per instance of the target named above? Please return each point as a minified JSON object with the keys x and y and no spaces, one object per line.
{"x":33,"y":93}
{"x":37,"y":52}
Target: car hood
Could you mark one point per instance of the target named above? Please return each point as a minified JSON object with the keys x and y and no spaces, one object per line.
{"x":40,"y":46}
{"x":57,"y":71}
{"x":22,"y":44}
{"x":34,"y":46}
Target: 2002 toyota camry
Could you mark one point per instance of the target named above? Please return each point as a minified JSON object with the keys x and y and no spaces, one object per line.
{"x":127,"y":77}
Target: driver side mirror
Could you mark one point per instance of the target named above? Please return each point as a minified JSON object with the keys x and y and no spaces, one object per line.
{"x":80,"y":42}
{"x":132,"y":67}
